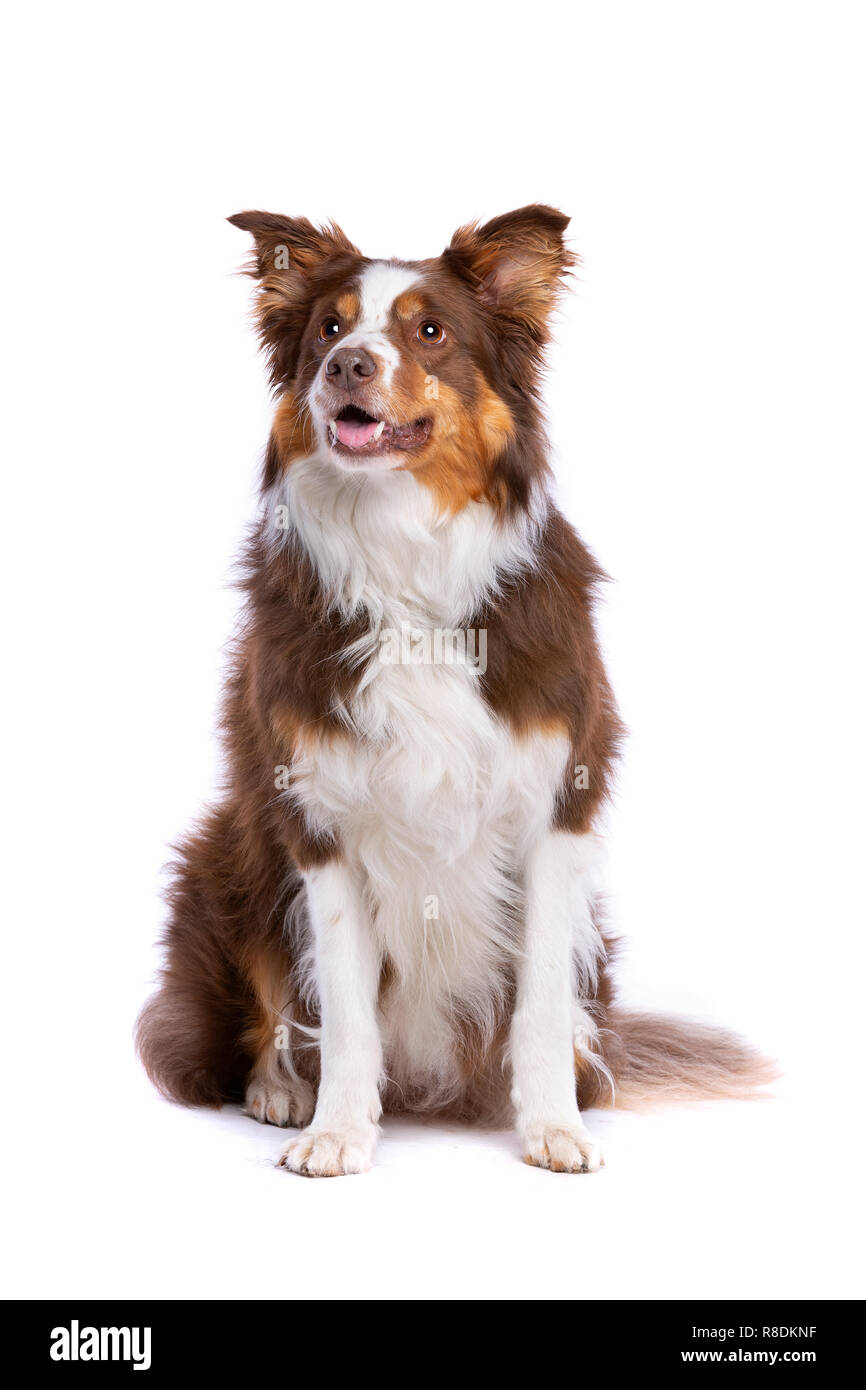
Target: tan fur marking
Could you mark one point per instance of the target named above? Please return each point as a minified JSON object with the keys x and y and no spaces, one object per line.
{"x":456,"y":465}
{"x":457,"y":462}
{"x":293,"y":430}
{"x":348,"y":305}
{"x":298,"y":739}
{"x":552,"y":726}
{"x":408,"y":304}
{"x":285,"y":727}
{"x":268,"y":971}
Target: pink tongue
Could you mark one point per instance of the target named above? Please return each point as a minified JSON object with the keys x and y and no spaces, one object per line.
{"x":353,"y":435}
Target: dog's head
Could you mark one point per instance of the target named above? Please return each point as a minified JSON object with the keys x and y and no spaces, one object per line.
{"x":427,"y":365}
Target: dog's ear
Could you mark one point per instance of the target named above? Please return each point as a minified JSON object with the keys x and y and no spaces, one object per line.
{"x":291,"y":246}
{"x":516,"y":263}
{"x":289,"y":253}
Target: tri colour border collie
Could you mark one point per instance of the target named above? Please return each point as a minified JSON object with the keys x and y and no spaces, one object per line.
{"x":394,"y":908}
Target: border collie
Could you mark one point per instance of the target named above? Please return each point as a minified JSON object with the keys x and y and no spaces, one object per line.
{"x":394,"y":905}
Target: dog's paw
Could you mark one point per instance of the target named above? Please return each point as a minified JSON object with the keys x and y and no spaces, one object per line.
{"x":284,"y":1102}
{"x":329,"y":1153}
{"x":568,"y":1149}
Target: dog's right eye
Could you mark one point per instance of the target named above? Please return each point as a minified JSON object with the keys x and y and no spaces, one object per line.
{"x":329,"y":329}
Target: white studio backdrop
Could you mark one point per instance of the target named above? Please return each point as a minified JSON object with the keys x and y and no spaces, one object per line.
{"x":705,"y":405}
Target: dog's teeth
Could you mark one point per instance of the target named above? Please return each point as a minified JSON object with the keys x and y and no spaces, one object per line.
{"x":377,"y":433}
{"x":332,"y":430}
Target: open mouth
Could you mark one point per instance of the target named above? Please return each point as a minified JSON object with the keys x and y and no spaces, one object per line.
{"x":355,"y":432}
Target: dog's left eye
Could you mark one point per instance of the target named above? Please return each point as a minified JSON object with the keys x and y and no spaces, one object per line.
{"x":430,"y":331}
{"x":329,"y":329}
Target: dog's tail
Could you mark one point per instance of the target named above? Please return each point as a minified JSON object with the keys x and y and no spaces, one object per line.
{"x":640,"y":1059}
{"x":185,"y":1037}
{"x":189,"y":1036}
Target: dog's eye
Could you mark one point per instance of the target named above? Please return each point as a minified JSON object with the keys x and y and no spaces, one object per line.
{"x":329,"y":329}
{"x":431,"y":332}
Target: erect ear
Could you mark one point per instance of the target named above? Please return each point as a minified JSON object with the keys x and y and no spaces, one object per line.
{"x":291,"y":244}
{"x":288,"y":253}
{"x":516,"y":263}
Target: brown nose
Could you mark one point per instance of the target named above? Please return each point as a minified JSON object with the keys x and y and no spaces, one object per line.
{"x":350,"y":367}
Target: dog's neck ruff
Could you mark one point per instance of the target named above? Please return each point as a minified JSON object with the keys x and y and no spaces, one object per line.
{"x":379,"y":544}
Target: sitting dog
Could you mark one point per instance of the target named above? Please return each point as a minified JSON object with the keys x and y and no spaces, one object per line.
{"x":394,"y":906}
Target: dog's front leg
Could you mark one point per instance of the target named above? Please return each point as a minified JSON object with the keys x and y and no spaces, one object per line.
{"x":343,"y":1132}
{"x":559,"y":937}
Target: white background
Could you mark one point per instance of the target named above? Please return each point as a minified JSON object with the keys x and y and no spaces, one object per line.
{"x":707,"y":416}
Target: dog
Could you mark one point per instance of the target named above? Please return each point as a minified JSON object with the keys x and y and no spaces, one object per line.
{"x":395,"y":907}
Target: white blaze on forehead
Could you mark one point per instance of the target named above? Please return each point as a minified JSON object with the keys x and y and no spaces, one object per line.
{"x":381,"y":283}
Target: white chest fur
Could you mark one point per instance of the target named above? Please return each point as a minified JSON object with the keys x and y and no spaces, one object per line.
{"x":433,"y":799}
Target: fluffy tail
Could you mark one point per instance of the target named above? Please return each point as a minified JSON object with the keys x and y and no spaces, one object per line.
{"x":185,"y":1037}
{"x":189,"y":1035}
{"x":643,"y":1058}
